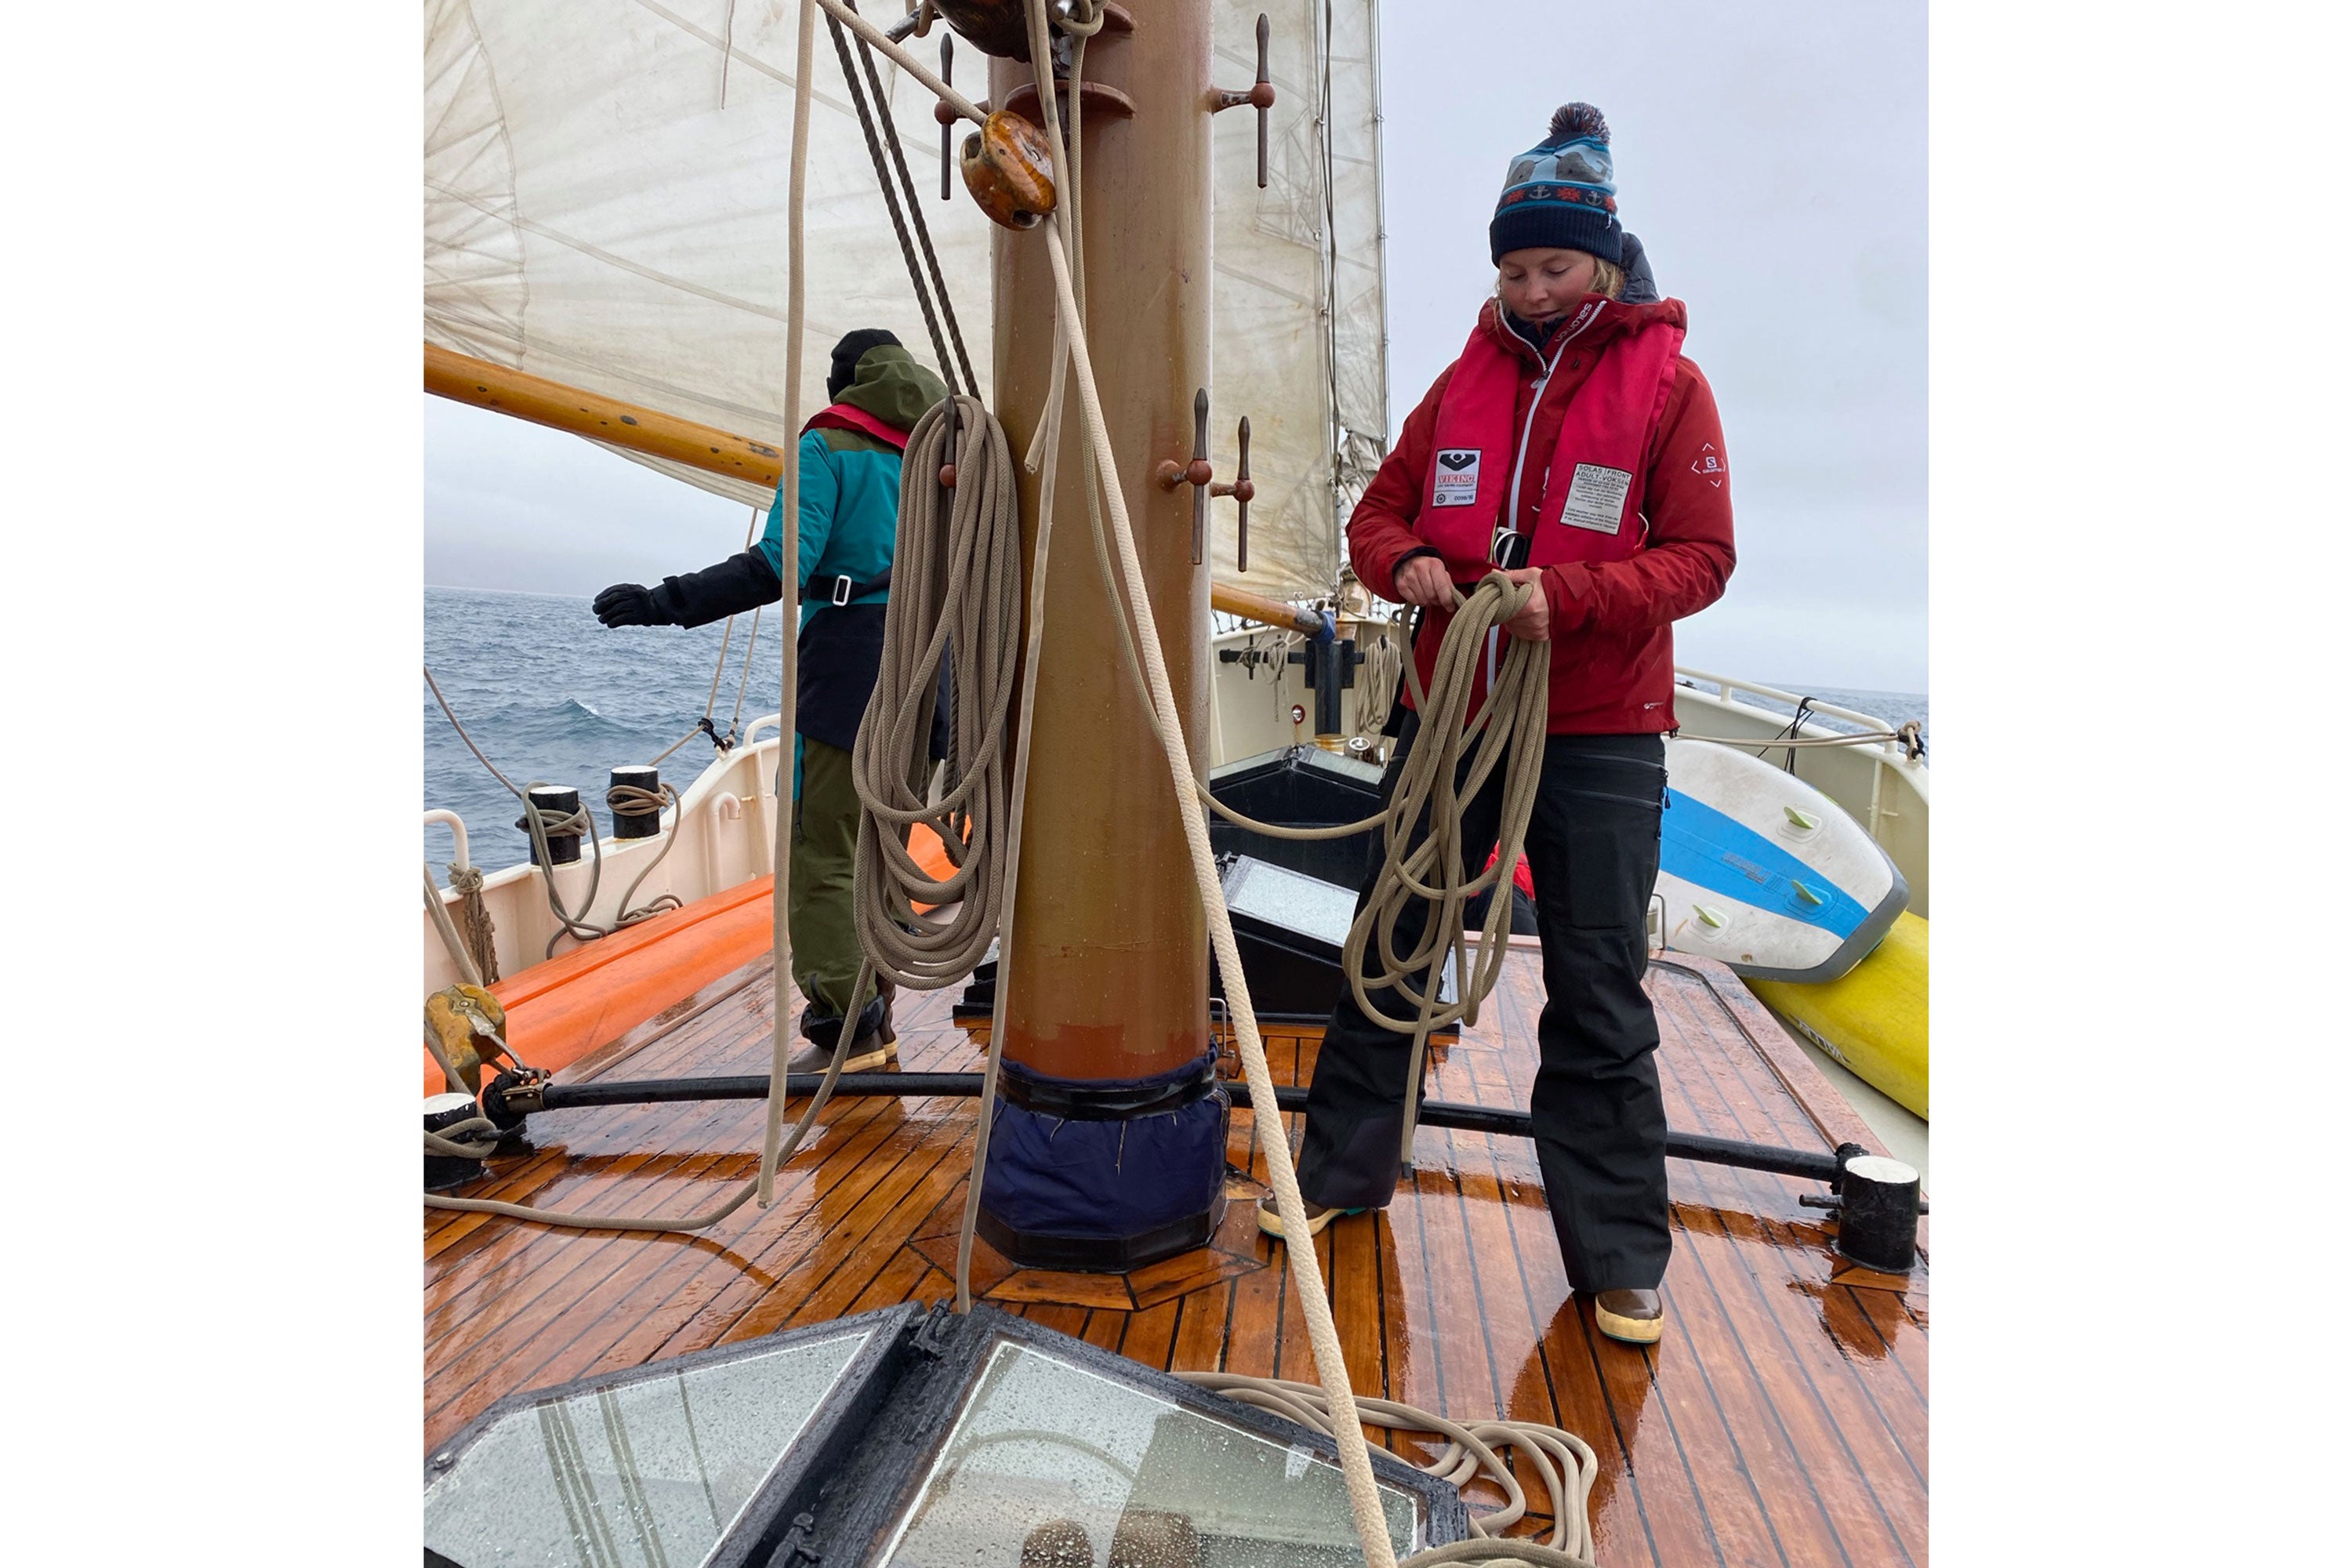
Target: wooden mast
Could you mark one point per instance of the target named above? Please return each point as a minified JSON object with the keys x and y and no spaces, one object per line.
{"x":1108,"y":954}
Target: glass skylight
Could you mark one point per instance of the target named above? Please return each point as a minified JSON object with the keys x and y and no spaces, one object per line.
{"x":1051,"y":1465}
{"x":652,"y":1470}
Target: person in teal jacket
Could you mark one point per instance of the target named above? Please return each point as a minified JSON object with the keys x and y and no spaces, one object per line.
{"x":849,"y":458}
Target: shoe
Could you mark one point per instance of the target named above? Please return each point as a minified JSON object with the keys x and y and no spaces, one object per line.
{"x":824,"y":1028}
{"x":1631,"y":1317}
{"x":1318,"y":1218}
{"x":867,"y":1053}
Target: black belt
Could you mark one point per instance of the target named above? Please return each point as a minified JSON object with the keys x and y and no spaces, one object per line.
{"x":841,"y":590}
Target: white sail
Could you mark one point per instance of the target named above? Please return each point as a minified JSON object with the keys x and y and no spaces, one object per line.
{"x":1301,"y":341}
{"x":606,"y":206}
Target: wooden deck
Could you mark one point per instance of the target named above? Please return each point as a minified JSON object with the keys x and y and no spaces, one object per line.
{"x":1783,"y":1421}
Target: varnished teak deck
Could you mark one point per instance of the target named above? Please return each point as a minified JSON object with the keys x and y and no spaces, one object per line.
{"x":1783,"y":1421}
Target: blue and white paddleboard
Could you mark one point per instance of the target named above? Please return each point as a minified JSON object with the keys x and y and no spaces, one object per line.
{"x":1761,"y":870}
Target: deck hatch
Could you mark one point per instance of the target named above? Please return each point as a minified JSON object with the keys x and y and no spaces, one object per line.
{"x":1051,"y":1462}
{"x":683,"y":1462}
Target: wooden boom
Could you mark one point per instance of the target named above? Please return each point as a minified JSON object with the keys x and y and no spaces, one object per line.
{"x":521,"y":395}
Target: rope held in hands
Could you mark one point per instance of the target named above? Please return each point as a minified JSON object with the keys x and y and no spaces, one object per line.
{"x":1469,"y":1449}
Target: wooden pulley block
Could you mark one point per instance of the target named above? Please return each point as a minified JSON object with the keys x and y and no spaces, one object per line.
{"x":999,"y":27}
{"x":1009,"y":170}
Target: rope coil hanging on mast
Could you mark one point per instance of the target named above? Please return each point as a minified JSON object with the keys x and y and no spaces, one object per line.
{"x":1564,"y":1463}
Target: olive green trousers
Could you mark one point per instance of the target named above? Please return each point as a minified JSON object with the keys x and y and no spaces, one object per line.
{"x":819,"y":912}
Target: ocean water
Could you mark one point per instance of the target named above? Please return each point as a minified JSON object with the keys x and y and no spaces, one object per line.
{"x":552,"y":697}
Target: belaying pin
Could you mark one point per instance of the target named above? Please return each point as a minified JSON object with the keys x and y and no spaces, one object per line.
{"x":1243,"y":491}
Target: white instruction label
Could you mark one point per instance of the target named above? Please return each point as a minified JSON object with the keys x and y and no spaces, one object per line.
{"x":1457,"y":478}
{"x":1596,"y":498}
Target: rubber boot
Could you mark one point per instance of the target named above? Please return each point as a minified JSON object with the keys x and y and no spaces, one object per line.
{"x":869,"y":1049}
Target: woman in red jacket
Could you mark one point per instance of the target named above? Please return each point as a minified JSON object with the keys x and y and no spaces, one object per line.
{"x":1572,"y":445}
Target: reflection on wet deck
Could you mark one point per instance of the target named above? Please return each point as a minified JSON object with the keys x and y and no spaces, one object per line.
{"x":1783,"y":1419}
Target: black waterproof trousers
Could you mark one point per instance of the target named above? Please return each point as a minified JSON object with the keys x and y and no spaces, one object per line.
{"x":1600,"y":1122}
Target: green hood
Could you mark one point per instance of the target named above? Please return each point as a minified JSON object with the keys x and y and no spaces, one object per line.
{"x":892,"y":387}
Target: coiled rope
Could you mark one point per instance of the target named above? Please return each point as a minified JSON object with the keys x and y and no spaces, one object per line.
{"x":1346,"y":1423}
{"x":955,"y":585}
{"x":1338,"y":1413}
{"x":1564,"y":1461}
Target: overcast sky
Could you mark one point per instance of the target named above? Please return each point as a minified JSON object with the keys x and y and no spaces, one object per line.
{"x":1772,"y":156}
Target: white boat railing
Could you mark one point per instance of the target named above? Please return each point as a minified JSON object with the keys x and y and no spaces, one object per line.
{"x":462,"y":859}
{"x":1877,"y":783}
{"x":1726,"y":685}
{"x":727,"y":806}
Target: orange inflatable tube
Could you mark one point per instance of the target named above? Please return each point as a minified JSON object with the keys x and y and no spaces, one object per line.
{"x":560,"y":1011}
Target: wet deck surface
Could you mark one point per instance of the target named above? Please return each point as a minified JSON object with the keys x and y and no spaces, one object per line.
{"x":1783,"y":1420}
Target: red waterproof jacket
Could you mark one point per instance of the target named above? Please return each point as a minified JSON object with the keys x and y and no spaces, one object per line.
{"x":1613,"y":660}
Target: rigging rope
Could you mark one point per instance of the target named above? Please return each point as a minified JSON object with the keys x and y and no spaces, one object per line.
{"x":1907,"y":737}
{"x":1049,"y":430}
{"x":1333,"y":1407}
{"x":719,"y":671}
{"x":922,"y":225}
{"x":542,"y":824}
{"x":466,"y":969}
{"x":1071,"y":351}
{"x":1355,"y":1462}
{"x":776,"y":1147}
{"x":481,"y":936}
{"x":883,"y":177}
{"x":788,"y":732}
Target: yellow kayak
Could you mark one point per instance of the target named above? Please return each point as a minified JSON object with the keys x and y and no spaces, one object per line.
{"x":1875,"y":1019}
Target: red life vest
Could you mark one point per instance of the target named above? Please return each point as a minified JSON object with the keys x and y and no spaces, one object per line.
{"x":843,"y":416}
{"x":1592,"y":488}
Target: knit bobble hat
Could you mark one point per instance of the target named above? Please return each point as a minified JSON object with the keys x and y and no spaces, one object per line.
{"x":1563,"y":192}
{"x":849,"y":351}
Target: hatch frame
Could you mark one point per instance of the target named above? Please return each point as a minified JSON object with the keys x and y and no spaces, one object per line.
{"x":830,"y":1431}
{"x":905,"y":1435}
{"x":865,"y":1454}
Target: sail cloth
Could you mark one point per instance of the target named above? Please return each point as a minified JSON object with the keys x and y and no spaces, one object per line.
{"x":1301,"y":335}
{"x":606,"y":206}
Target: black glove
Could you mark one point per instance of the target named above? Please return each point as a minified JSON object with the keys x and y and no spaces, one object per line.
{"x":628,"y":604}
{"x":737,"y":584}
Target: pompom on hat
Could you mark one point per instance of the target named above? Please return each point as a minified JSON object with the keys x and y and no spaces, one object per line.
{"x":1561,"y":192}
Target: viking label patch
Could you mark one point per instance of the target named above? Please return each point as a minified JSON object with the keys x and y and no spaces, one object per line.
{"x":1596,"y":498}
{"x":1457,"y":478}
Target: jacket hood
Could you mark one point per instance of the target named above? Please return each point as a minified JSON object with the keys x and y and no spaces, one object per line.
{"x":892,"y":387}
{"x":1614,"y":319}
